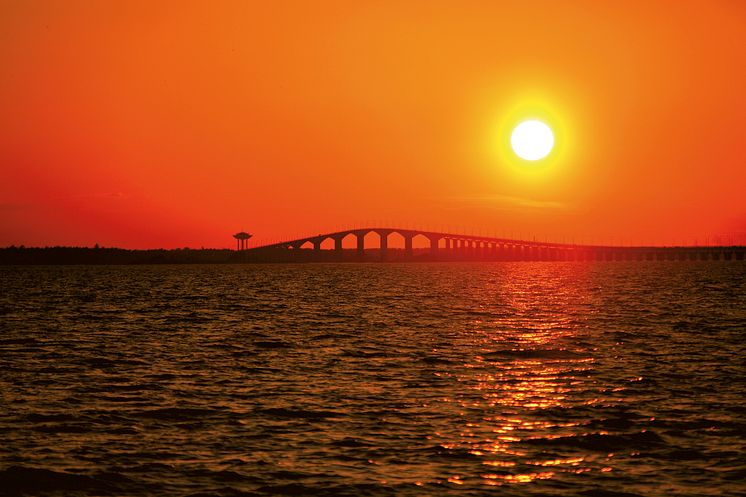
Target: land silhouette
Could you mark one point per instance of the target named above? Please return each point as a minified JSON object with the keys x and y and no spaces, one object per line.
{"x":442,"y":247}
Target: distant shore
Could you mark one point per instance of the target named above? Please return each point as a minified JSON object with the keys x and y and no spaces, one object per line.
{"x":102,"y":256}
{"x":21,"y":255}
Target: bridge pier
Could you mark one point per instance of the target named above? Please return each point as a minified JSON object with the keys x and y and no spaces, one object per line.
{"x":384,"y":236}
{"x":408,"y":252}
{"x":434,"y":244}
{"x":360,"y":245}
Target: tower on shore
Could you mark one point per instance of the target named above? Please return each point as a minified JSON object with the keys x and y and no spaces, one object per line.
{"x":242,"y":240}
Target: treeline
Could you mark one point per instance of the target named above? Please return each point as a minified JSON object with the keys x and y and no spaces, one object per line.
{"x":98,"y":255}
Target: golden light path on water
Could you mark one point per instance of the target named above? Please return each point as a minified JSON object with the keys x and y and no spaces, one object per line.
{"x":524,"y":366}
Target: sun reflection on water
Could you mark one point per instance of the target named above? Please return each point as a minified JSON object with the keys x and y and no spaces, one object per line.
{"x":526,"y":367}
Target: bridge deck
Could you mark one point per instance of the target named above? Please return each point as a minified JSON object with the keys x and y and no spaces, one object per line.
{"x":453,"y":246}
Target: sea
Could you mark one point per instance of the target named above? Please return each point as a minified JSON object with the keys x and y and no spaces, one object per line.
{"x":611,"y":379}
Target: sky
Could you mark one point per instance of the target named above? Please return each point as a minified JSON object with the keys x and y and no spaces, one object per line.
{"x":144,"y":124}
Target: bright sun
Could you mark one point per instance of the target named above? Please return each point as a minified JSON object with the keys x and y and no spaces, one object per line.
{"x":532,"y":140}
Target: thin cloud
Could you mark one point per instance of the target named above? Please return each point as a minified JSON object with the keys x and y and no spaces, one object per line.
{"x":92,"y":197}
{"x":100,"y":195}
{"x":508,"y":202}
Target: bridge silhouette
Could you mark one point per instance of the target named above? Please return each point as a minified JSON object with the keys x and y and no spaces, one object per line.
{"x":442,"y":246}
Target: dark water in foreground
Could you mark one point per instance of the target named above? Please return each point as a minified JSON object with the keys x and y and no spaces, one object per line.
{"x":601,"y":379}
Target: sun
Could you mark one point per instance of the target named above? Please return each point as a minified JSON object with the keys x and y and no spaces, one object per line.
{"x":532,"y":140}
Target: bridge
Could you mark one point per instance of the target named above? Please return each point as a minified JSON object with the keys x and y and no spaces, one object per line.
{"x":441,"y":246}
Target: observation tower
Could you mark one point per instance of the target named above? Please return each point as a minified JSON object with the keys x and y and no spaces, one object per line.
{"x":242,"y":240}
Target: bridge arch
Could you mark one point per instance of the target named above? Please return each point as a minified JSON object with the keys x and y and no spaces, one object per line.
{"x":372,"y":240}
{"x":327,"y":243}
{"x":349,"y":240}
{"x":306,"y":244}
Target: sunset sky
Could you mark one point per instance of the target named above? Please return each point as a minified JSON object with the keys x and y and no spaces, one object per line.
{"x":171,"y":124}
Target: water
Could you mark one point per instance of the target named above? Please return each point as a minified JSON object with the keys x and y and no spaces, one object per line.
{"x":602,"y":379}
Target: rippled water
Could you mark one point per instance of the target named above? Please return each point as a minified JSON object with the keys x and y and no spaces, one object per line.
{"x":372,"y":379}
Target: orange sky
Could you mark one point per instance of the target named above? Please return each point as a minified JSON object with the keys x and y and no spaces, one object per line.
{"x":168,"y":124}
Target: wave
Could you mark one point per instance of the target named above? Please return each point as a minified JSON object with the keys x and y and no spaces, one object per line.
{"x":22,"y":480}
{"x":281,"y":412}
{"x":178,"y":413}
{"x":601,"y":442}
{"x":535,"y":354}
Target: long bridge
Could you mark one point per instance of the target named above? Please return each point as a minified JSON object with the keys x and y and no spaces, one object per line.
{"x":440,"y":246}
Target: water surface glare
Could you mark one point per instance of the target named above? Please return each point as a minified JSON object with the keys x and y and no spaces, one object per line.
{"x":609,"y":379}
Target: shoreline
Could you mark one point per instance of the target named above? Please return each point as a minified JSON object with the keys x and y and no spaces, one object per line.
{"x":67,"y":256}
